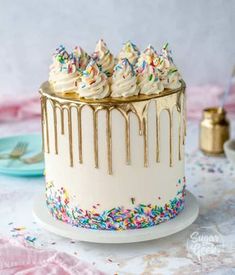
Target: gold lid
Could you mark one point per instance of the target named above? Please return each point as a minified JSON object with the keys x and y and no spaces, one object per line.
{"x":214,"y":113}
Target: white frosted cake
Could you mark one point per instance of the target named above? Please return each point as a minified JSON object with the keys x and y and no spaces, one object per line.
{"x":113,"y":135}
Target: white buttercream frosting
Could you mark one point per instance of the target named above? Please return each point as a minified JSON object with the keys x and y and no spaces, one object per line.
{"x":63,"y":73}
{"x":104,"y":58}
{"x":149,"y":55}
{"x":81,"y":58}
{"x":94,"y":83}
{"x":169,"y":74}
{"x":124,"y":80}
{"x":129,"y":51}
{"x":172,"y":79}
{"x":101,"y":77}
{"x":148,"y":80}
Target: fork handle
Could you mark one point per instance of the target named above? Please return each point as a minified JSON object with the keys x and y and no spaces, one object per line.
{"x":4,"y":156}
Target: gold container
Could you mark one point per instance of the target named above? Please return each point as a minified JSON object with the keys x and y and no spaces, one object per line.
{"x":214,"y":131}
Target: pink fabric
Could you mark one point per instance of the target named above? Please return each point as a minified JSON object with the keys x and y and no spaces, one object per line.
{"x":198,"y":98}
{"x":18,"y":259}
{"x":19,"y":108}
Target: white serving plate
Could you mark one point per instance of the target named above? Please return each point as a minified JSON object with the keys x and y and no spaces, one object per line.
{"x":180,"y":222}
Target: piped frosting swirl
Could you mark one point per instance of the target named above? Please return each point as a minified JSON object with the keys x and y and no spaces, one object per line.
{"x":148,"y":80}
{"x":149,"y":55}
{"x":94,"y":83}
{"x":63,"y":72}
{"x":129,"y":51}
{"x":81,"y":58}
{"x":104,"y":58}
{"x":97,"y":77}
{"x":169,"y":74}
{"x":124,"y":80}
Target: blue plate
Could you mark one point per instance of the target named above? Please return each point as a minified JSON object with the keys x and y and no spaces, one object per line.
{"x":17,"y":167}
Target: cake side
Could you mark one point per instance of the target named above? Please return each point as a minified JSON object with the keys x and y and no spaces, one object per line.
{"x":73,"y":105}
{"x":124,"y":168}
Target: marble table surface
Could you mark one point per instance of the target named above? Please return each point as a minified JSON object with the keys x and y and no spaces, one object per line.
{"x":206,"y":247}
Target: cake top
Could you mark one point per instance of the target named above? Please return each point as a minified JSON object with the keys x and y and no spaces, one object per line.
{"x":102,"y":75}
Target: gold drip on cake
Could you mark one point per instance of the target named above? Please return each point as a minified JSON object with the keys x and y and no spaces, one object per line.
{"x":179,"y":135}
{"x":79,"y":134}
{"x":127,"y":133}
{"x":182,"y":123}
{"x":62,"y":120}
{"x":42,"y":99}
{"x":140,"y":109}
{"x":167,"y":104}
{"x":137,"y":105}
{"x":179,"y":109}
{"x":55,"y":129}
{"x":125,"y":112}
{"x":184,"y":117}
{"x":95,"y":138}
{"x":171,"y":135}
{"x":69,"y":109}
{"x":145,"y":133}
{"x":45,"y":125}
{"x":157,"y":134}
{"x":109,"y":140}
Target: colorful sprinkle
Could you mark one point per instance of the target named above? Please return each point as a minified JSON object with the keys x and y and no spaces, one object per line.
{"x":30,"y":239}
{"x":165,"y":46}
{"x":18,"y":228}
{"x":118,"y":218}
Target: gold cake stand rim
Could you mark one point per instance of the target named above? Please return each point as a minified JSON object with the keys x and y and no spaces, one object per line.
{"x":47,"y":89}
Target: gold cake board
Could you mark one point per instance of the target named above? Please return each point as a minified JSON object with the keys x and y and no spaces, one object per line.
{"x":180,"y":222}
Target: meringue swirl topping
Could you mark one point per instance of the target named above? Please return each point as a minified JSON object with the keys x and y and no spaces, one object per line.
{"x":63,"y":72}
{"x":129,"y":51}
{"x":149,"y":55}
{"x":169,"y":74}
{"x":94,"y":83}
{"x":104,"y":58}
{"x":81,"y":58}
{"x":124,"y":80}
{"x":103,"y":75}
{"x":148,"y":80}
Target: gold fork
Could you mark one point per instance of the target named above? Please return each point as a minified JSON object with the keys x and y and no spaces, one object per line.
{"x":19,"y":150}
{"x":16,"y":152}
{"x":34,"y":159}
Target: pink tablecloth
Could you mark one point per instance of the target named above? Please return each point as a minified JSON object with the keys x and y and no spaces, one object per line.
{"x":198,"y":98}
{"x":18,"y":258}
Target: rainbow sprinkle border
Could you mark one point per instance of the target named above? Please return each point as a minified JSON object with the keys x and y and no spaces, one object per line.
{"x":118,"y":218}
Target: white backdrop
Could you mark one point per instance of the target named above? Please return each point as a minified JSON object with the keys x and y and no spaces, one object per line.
{"x":201,"y":34}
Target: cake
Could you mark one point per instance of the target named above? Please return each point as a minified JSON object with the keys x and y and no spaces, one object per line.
{"x":113,"y":135}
